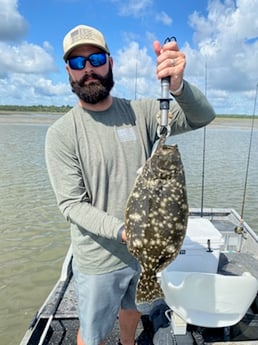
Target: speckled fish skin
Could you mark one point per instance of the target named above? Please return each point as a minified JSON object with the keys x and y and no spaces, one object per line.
{"x":156,"y":217}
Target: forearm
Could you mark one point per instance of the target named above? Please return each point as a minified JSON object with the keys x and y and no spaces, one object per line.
{"x":197,"y":110}
{"x":91,"y":219}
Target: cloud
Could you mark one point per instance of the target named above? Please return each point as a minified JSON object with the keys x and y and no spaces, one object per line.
{"x":12,"y":25}
{"x":164,"y":18}
{"x":21,"y":64}
{"x":24,"y":66}
{"x":30,"y":89}
{"x":47,"y":88}
{"x":133,"y":8}
{"x":25,"y":58}
{"x":227,"y":40}
{"x":134,"y":77}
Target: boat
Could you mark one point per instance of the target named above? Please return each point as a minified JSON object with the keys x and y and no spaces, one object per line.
{"x":225,"y":264}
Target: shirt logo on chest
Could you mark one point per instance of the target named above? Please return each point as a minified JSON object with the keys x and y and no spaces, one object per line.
{"x":126,"y":134}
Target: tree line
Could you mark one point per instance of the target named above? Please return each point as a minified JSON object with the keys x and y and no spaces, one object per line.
{"x":36,"y":108}
{"x":65,"y":108}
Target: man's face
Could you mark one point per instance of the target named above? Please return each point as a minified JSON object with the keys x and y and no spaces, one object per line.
{"x":91,"y":84}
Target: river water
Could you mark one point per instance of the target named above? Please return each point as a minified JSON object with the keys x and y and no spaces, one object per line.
{"x":35,"y":236}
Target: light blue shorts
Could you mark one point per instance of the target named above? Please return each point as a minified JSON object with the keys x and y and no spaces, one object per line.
{"x":100,"y":297}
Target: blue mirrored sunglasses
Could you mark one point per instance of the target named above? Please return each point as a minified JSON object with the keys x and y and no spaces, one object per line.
{"x":79,"y":62}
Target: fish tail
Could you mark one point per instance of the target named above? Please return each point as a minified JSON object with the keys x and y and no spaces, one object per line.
{"x":148,"y":289}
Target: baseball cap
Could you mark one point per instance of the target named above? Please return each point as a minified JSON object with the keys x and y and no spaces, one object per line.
{"x":81,"y":35}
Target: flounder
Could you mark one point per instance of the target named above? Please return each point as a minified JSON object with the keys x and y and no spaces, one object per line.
{"x":156,"y":217}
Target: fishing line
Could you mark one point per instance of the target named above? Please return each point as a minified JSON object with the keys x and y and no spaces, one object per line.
{"x":204,"y":147}
{"x":248,"y":157}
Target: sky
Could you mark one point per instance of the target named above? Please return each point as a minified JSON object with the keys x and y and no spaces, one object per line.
{"x":219,"y":38}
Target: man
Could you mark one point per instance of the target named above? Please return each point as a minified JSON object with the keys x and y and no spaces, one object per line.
{"x":93,"y":153}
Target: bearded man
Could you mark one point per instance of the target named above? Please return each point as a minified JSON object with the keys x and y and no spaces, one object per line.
{"x":93,"y":153}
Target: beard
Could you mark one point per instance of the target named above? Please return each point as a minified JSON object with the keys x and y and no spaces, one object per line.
{"x":95,"y":91}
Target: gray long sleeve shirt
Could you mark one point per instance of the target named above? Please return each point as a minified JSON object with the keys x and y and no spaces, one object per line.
{"x":92,"y":160}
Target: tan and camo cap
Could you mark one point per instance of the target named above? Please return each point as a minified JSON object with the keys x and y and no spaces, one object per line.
{"x":81,"y":35}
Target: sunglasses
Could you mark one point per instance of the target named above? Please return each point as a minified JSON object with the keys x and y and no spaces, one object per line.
{"x":79,"y":62}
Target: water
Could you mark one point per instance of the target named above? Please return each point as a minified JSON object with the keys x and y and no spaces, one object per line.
{"x":226,"y":154}
{"x":35,"y":236}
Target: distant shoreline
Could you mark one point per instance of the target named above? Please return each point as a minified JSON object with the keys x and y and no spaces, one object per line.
{"x":234,"y":122}
{"x":27,"y":117}
{"x":23,"y":117}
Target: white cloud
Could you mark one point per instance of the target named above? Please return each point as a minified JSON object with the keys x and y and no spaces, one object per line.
{"x":228,"y":40}
{"x":225,"y":40}
{"x":137,"y":75}
{"x":164,"y":18}
{"x":24,"y":66}
{"x":25,"y":58}
{"x":12,"y":25}
{"x":47,"y":88}
{"x":133,"y":8}
{"x":29,"y":89}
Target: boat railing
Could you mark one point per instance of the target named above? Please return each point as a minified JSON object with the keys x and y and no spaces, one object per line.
{"x":246,"y":226}
{"x":232,"y":241}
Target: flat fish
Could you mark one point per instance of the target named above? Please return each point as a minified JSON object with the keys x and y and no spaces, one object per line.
{"x":156,"y":217}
